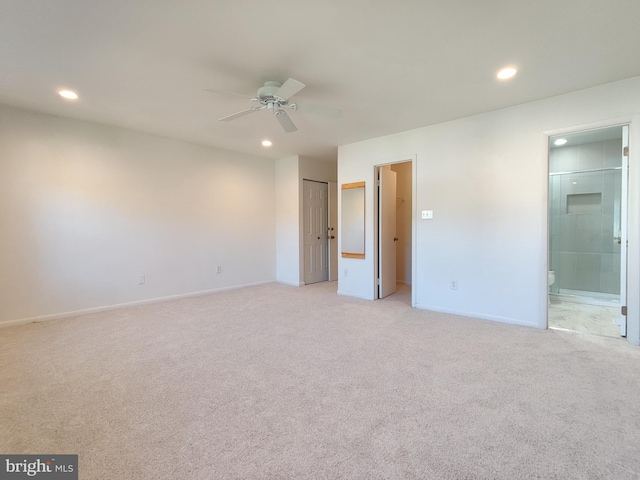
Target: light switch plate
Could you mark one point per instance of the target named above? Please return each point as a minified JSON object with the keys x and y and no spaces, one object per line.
{"x":427,"y":214}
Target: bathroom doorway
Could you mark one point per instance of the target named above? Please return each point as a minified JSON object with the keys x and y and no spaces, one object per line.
{"x":588,"y":182}
{"x":394,"y":225}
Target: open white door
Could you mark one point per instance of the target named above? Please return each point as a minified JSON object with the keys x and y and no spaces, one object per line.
{"x":386,"y":232}
{"x":333,"y":231}
{"x":622,"y":233}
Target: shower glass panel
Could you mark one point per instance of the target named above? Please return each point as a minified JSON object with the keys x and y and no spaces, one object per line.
{"x":585,"y":178}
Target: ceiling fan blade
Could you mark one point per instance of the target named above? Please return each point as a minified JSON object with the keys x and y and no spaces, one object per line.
{"x":285,"y":121}
{"x":242,"y":113}
{"x":324,"y":111}
{"x":289,"y":88}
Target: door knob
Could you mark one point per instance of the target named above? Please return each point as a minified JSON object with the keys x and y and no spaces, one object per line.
{"x":395,"y":239}
{"x":332,"y":237}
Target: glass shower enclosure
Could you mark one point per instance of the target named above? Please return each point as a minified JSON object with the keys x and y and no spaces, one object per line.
{"x":586,"y":215}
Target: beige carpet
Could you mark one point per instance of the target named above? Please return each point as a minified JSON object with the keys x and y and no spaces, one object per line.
{"x":294,"y":383}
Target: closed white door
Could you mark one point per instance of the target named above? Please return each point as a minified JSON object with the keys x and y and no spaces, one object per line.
{"x":386,"y":232}
{"x":316,"y":248}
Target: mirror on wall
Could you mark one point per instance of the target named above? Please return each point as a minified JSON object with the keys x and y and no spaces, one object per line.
{"x":352,"y":220}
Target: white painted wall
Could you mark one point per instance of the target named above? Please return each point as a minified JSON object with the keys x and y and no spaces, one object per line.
{"x":85,"y":209}
{"x":320,"y":171}
{"x":485,"y":177}
{"x":288,"y":221}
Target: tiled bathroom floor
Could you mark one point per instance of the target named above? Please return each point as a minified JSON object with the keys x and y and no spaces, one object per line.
{"x":592,"y":319}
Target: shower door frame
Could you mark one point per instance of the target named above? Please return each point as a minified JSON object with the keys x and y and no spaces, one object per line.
{"x":624,"y":230}
{"x":625,"y":125}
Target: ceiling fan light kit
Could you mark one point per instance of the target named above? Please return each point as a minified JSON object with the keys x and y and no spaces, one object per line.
{"x":274,"y":96}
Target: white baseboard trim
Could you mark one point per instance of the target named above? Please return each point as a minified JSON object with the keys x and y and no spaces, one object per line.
{"x":482,"y":316}
{"x":293,"y":284}
{"x":349,"y":294}
{"x":104,"y":308}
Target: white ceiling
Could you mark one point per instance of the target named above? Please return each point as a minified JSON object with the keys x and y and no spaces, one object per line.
{"x":389,"y":66}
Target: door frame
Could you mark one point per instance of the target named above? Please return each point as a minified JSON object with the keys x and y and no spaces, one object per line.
{"x":414,"y":182}
{"x":624,"y":232}
{"x":633,"y":223}
{"x":332,"y":223}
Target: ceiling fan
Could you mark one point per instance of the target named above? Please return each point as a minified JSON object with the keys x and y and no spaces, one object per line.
{"x":274,"y":97}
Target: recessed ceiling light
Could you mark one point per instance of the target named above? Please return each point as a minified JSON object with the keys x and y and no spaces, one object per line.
{"x":266,"y":143}
{"x":560,"y":141}
{"x":506,"y":73}
{"x":68,"y":94}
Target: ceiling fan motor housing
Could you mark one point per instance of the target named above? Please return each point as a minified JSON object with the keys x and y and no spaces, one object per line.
{"x":266,"y":95}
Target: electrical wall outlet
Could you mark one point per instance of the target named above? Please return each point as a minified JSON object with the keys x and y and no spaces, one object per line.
{"x":141,"y":279}
{"x":454,"y":284}
{"x":219,"y":269}
{"x":346,"y":272}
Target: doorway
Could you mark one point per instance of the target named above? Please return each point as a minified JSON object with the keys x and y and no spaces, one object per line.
{"x":394,"y":215}
{"x":588,"y":184}
{"x":315,"y":207}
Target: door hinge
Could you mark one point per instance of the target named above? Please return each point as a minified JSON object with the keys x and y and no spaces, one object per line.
{"x":625,"y":151}
{"x":377,"y":282}
{"x":623,"y":310}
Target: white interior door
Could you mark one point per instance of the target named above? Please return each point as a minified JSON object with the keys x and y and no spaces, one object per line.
{"x":386,"y":232}
{"x":315,"y":206}
{"x":333,"y":231}
{"x":622,"y":234}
